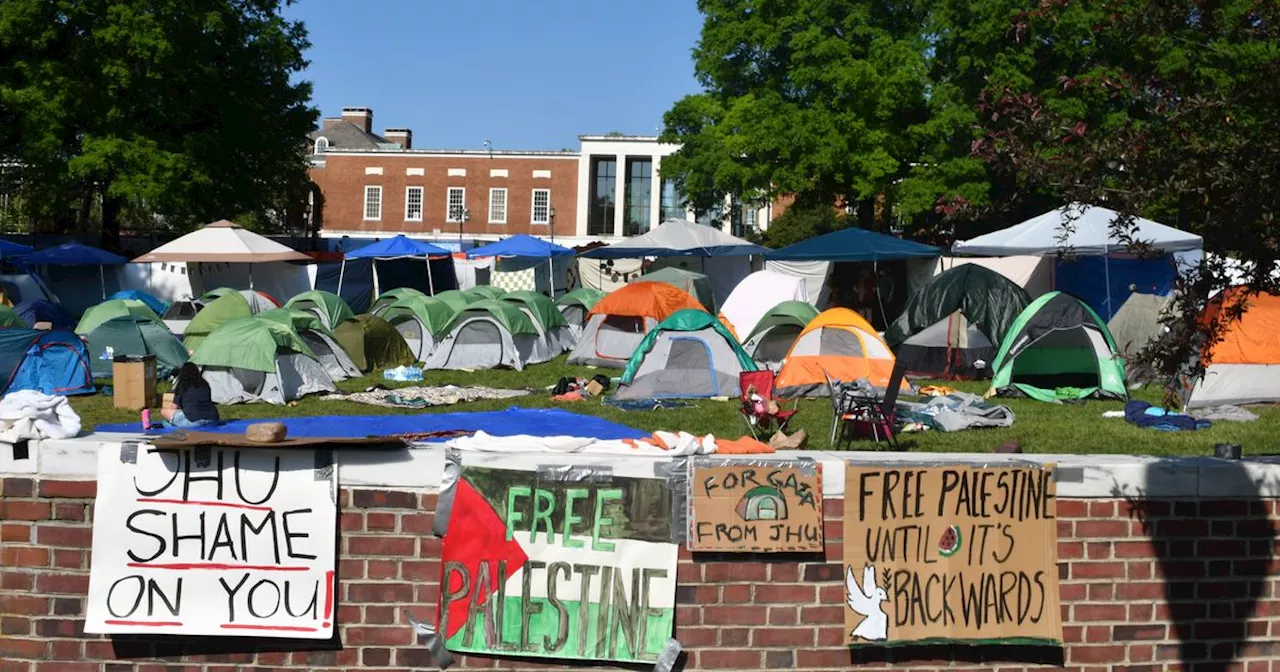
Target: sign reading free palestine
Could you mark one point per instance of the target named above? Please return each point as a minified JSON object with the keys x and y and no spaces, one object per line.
{"x":558,"y":569}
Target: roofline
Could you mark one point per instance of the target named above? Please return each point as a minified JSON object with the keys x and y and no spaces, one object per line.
{"x":646,"y":138}
{"x":470,"y":153}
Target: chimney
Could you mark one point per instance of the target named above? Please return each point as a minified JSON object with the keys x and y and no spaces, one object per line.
{"x":330,"y":122}
{"x":362,"y":117}
{"x":400,"y":136}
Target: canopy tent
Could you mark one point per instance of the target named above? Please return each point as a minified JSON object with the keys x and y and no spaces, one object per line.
{"x":224,"y":242}
{"x":327,"y":306}
{"x":678,"y":238}
{"x":755,"y":295}
{"x":155,"y":304}
{"x":399,"y":247}
{"x":372,"y":343}
{"x":52,"y":362}
{"x":134,"y":336}
{"x":694,"y":284}
{"x":252,"y":360}
{"x":777,"y":331}
{"x":420,"y":321}
{"x":552,"y":327}
{"x":11,"y":251}
{"x":486,"y":335}
{"x":311,"y":329}
{"x":108,"y":310}
{"x":391,"y":296}
{"x":75,"y":254}
{"x":690,"y":354}
{"x":35,"y":312}
{"x":617,"y":324}
{"x":853,"y":244}
{"x":524,"y":246}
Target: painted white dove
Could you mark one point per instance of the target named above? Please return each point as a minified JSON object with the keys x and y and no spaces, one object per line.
{"x":866,"y":600}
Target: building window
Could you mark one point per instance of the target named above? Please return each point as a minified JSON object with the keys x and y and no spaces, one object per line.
{"x":752,"y":218}
{"x":322,"y":145}
{"x":457,"y":204}
{"x":413,"y":204}
{"x":639,"y":196}
{"x":671,"y":206}
{"x":497,"y":206}
{"x":541,"y":206}
{"x":604,"y":176}
{"x":372,"y":203}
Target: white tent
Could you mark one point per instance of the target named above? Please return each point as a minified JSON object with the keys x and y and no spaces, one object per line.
{"x":223,"y":242}
{"x":756,"y":295}
{"x":1091,"y":235}
{"x":1031,"y":272}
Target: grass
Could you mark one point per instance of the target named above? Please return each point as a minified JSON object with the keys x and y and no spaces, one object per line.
{"x":1039,"y":427}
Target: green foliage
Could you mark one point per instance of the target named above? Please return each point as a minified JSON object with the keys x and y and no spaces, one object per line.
{"x":183,"y":111}
{"x":802,"y":223}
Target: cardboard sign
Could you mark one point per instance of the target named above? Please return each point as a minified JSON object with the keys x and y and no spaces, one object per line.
{"x":757,"y":508}
{"x":554,"y":568}
{"x":951,"y":554}
{"x":232,"y":542}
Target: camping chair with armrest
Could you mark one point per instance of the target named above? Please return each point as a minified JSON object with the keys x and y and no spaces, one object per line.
{"x":756,"y":413}
{"x":838,"y":404}
{"x":876,"y":412}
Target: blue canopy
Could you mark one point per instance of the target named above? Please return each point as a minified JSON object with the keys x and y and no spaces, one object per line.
{"x":854,"y":244}
{"x":74,"y":254}
{"x":397,"y":248}
{"x":152,"y":302}
{"x":521,"y":245}
{"x":13,"y":250}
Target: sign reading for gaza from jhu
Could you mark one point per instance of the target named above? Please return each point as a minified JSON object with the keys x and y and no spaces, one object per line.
{"x":951,"y":554}
{"x":214,"y":541}
{"x":558,"y":567}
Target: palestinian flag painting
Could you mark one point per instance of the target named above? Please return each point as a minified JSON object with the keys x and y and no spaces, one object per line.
{"x":558,"y":569}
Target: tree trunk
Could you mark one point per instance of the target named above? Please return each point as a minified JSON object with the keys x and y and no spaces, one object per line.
{"x":110,"y":223}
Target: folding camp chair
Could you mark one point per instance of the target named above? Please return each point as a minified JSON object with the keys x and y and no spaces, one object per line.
{"x":873,"y":411}
{"x":756,"y":413}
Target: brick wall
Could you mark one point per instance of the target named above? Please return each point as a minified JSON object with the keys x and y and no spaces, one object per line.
{"x":1145,"y":585}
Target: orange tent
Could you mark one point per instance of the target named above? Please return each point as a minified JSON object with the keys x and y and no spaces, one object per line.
{"x":618,"y":322}
{"x":1244,"y":367}
{"x":838,"y":343}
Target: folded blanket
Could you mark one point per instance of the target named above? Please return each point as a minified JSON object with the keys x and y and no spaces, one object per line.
{"x":422,"y":397}
{"x":1145,"y":415}
{"x":29,"y":414}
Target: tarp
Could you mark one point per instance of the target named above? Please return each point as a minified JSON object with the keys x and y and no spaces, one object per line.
{"x":814,"y":274}
{"x":223,"y":241}
{"x":152,"y":302}
{"x":433,"y":314}
{"x":112,"y":309}
{"x":329,"y":307}
{"x":678,"y":238}
{"x":854,"y":244}
{"x":756,"y":295}
{"x":74,"y":254}
{"x":1032,"y":273}
{"x":482,"y":292}
{"x":297,"y":320}
{"x":399,"y":247}
{"x":457,"y":299}
{"x":12,"y":251}
{"x":1091,"y":234}
{"x":248,"y":343}
{"x":694,"y":284}
{"x":582,"y":296}
{"x":511,"y":422}
{"x":520,"y":245}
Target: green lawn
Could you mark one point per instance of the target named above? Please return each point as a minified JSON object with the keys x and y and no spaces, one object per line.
{"x":1041,"y":428}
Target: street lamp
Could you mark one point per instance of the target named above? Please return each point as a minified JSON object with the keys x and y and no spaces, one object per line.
{"x":552,"y":220}
{"x":461,"y":215}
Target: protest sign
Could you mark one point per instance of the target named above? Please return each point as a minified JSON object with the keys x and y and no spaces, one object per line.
{"x":951,"y":554}
{"x":558,"y":568}
{"x":214,"y":541}
{"x":761,"y":507}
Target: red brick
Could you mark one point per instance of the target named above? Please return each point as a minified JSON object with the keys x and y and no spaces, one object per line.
{"x":382,"y":569}
{"x":822,"y":658}
{"x":383,"y":499}
{"x":1096,"y":654}
{"x":735,"y":594}
{"x":1100,"y":592}
{"x":723,"y":659}
{"x":784,"y":572}
{"x":784,"y":615}
{"x":380,"y":593}
{"x":734,"y":636}
{"x":692,"y":636}
{"x":782,"y":637}
{"x":379,"y":615}
{"x":69,"y":489}
{"x":1150,"y":632}
{"x":420,"y":570}
{"x":687,"y":572}
{"x":1101,"y":528}
{"x":785,"y":594}
{"x":820,"y":615}
{"x":1130,"y":590}
{"x":429,"y":547}
{"x":64,"y":536}
{"x":1097,"y":570}
{"x":1070,"y":550}
{"x":1102,"y":509}
{"x":16,"y":580}
{"x":1072,"y":508}
{"x":427,"y":502}
{"x":1097,"y":634}
{"x":351,"y":521}
{"x":417,"y":523}
{"x":734,"y":571}
{"x":734,"y":615}
{"x":12,"y":510}
{"x":375,"y":657}
{"x":65,"y":559}
{"x":11,"y":532}
{"x":22,"y":648}
{"x":1099,"y":612}
{"x":379,"y":521}
{"x":833,"y":530}
{"x":75,"y":584}
{"x":1098,"y":550}
{"x":24,"y":556}
{"x":17,"y":487}
{"x":1141,"y":548}
{"x":833,"y":636}
{"x":381,"y":636}
{"x":404,"y":546}
{"x":1142,"y":613}
{"x":1140,"y":570}
{"x":15,"y":625}
{"x":69,"y":511}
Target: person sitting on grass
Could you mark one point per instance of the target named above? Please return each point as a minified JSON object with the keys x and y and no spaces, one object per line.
{"x":192,"y":404}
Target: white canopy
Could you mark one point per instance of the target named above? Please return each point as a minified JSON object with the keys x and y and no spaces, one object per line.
{"x":677,"y":238}
{"x":1091,"y":235}
{"x":757,"y":294}
{"x":223,"y":241}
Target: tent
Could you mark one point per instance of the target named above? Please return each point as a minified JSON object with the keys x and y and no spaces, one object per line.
{"x":838,"y":343}
{"x":1244,"y":367}
{"x":10,"y":318}
{"x":575,"y":305}
{"x":690,"y":354}
{"x":177,"y":317}
{"x":75,"y":254}
{"x":393,"y":295}
{"x":112,"y":309}
{"x":135,"y":336}
{"x":420,"y":321}
{"x":617,"y":324}
{"x":853,"y":244}
{"x":249,"y":360}
{"x":956,"y":321}
{"x":1138,"y":324}
{"x":756,"y":294}
{"x":1058,"y":348}
{"x":232,"y":305}
{"x":458,"y":299}
{"x":486,"y":335}
{"x":52,"y":362}
{"x":553,"y":329}
{"x":327,"y":306}
{"x":694,"y":284}
{"x":223,"y":242}
{"x":777,"y":331}
{"x":372,"y":343}
{"x":399,"y":247}
{"x":35,"y":312}
{"x":260,"y":301}
{"x":482,"y":292}
{"x":11,"y":251}
{"x":337,"y":363}
{"x":156,"y":305}
{"x":524,"y":246}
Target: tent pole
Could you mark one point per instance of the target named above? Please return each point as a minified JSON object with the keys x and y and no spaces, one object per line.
{"x":431,"y":284}
{"x":551,"y":278}
{"x":102,"y":277}
{"x":342,"y":270}
{"x":1106,"y":274}
{"x":250,"y":275}
{"x":376,"y":291}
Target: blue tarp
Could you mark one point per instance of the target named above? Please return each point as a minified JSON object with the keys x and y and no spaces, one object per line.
{"x":393,"y":248}
{"x":152,"y":302}
{"x":513,"y":421}
{"x":74,"y":254}
{"x":521,"y":245}
{"x":854,"y":244}
{"x":1086,"y":277}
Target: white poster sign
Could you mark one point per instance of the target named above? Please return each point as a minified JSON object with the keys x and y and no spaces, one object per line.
{"x":235,"y":542}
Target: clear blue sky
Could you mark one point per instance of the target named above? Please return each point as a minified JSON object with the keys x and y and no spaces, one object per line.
{"x":525,"y":74}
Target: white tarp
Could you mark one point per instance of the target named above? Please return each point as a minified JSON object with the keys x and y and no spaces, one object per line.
{"x":1091,"y":234}
{"x":757,"y":294}
{"x":814,"y":274}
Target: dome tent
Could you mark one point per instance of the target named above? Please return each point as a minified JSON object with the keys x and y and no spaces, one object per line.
{"x":481,"y":292}
{"x":156,"y":305}
{"x":775,"y":333}
{"x":575,"y":305}
{"x":36,"y":311}
{"x":372,"y":343}
{"x":690,"y":354}
{"x":486,"y":335}
{"x":420,"y":321}
{"x":177,"y":317}
{"x":51,"y":362}
{"x":838,"y":343}
{"x":321,"y":341}
{"x":692,"y":283}
{"x":458,"y":299}
{"x":230,"y":305}
{"x":134,"y":336}
{"x":553,"y":329}
{"x":390,"y":296}
{"x":955,"y":321}
{"x":249,"y":360}
{"x":1138,"y":324}
{"x":617,"y":324}
{"x":9,"y":318}
{"x":756,"y":295}
{"x":112,"y":309}
{"x":1243,"y":367}
{"x":1058,"y":348}
{"x":259,"y":301}
{"x":327,"y":306}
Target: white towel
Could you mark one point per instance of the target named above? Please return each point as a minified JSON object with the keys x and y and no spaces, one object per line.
{"x":28,"y":414}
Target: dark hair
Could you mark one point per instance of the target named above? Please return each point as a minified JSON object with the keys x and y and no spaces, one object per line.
{"x":189,"y":378}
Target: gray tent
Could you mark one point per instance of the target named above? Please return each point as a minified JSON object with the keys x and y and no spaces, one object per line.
{"x":1135,"y":326}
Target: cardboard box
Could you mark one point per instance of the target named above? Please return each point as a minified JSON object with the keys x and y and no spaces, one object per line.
{"x":134,"y":380}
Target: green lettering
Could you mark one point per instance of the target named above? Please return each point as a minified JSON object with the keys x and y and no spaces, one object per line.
{"x":512,"y":516}
{"x":602,"y":520}
{"x":541,"y":497}
{"x":569,"y":519}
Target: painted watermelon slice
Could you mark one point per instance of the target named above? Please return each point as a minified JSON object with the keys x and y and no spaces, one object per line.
{"x":950,"y":542}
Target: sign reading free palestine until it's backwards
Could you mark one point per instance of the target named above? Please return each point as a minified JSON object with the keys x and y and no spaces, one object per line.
{"x":558,"y":569}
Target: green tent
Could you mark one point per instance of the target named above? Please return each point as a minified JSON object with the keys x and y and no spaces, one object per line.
{"x":542,"y":308}
{"x":249,"y":343}
{"x":587,"y":297}
{"x":692,"y":283}
{"x":372,"y":343}
{"x":135,"y":336}
{"x":689,"y":354}
{"x":215,"y":294}
{"x":421,"y":321}
{"x":775,"y":333}
{"x":108,"y":310}
{"x":230,"y":305}
{"x":9,"y":318}
{"x":1058,"y":348}
{"x":391,"y":296}
{"x":337,"y":363}
{"x":329,"y":307}
{"x":297,"y":320}
{"x":485,"y":292}
{"x":458,"y":300}
{"x":511,"y":318}
{"x":252,"y":360}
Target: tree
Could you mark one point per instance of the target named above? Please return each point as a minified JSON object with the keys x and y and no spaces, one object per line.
{"x":181,"y":111}
{"x":800,"y":223}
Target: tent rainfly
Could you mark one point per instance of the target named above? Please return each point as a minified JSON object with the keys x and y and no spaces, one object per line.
{"x":223,"y":242}
{"x":399,"y":247}
{"x":525,"y":246}
{"x":75,"y":254}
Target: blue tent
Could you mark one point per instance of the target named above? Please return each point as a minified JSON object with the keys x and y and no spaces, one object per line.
{"x":52,"y":362}
{"x":520,"y":245}
{"x":152,"y":302}
{"x":40,"y":310}
{"x":399,"y":247}
{"x":854,"y":244}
